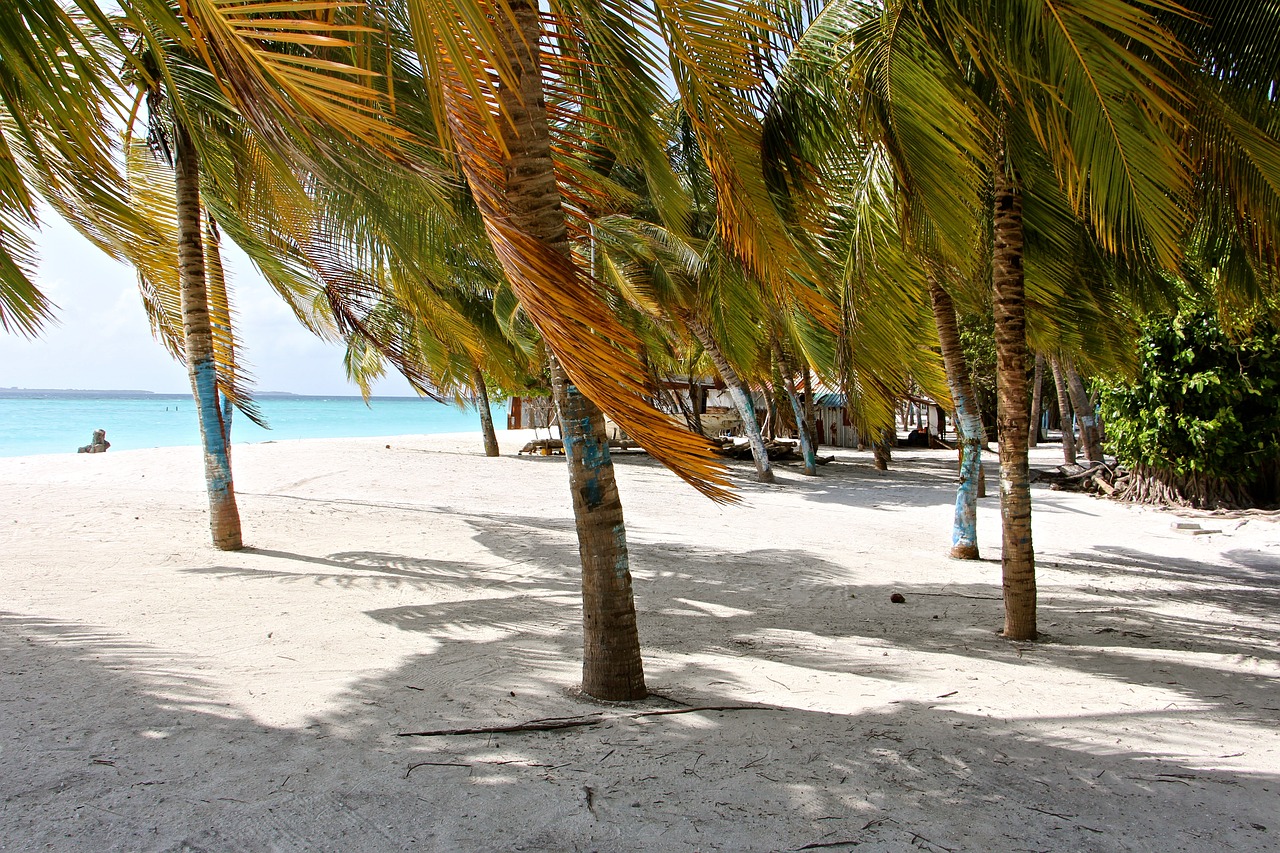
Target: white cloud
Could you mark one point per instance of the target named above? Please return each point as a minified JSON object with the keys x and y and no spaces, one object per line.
{"x":102,"y":339}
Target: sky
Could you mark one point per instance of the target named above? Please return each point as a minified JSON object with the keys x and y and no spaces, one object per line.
{"x":101,"y":339}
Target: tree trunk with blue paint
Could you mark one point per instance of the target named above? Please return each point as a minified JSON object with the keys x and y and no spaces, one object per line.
{"x":789,"y":386}
{"x":740,"y":396}
{"x":964,"y":528}
{"x":611,"y":665}
{"x":224,"y":516}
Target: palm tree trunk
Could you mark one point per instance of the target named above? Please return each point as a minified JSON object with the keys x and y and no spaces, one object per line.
{"x":696,"y":397}
{"x":1037,"y":397}
{"x":611,"y":665}
{"x":612,"y":668}
{"x":789,"y":387}
{"x":1064,"y":414}
{"x":881,"y":451}
{"x":486,"y":414}
{"x":224,"y":517}
{"x":1008,"y":291}
{"x":810,"y":412}
{"x":964,"y":529}
{"x":740,"y":396}
{"x":216,"y":281}
{"x":770,"y":427}
{"x":1084,"y":412}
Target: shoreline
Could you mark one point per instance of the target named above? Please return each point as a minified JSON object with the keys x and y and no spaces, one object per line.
{"x":163,"y":695}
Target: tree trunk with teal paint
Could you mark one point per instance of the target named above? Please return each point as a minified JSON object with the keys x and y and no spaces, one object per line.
{"x":740,"y":396}
{"x":964,"y":528}
{"x":612,"y":668}
{"x":224,"y":516}
{"x":802,"y":432}
{"x":1017,"y":556}
{"x":216,"y":281}
{"x":486,"y":413}
{"x":611,"y":665}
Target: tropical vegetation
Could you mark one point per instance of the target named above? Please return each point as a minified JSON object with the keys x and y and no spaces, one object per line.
{"x":481,"y":194}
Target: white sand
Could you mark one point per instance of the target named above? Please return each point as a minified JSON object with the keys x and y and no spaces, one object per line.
{"x":161,"y":695}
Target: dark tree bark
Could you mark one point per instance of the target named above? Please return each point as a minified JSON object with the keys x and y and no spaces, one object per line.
{"x":1012,"y":420}
{"x":1064,"y":414}
{"x":881,"y":451}
{"x":1037,"y":384}
{"x":486,"y":413}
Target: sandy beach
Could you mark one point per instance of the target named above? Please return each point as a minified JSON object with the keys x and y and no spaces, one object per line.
{"x":160,"y":695}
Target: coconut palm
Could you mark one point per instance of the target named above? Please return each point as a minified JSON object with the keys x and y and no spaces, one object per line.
{"x":970,"y":102}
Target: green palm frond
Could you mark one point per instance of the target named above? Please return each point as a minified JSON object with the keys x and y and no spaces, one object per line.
{"x":152,"y":195}
{"x":58,"y":86}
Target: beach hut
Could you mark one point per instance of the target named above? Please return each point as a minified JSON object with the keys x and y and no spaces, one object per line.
{"x":831,"y":420}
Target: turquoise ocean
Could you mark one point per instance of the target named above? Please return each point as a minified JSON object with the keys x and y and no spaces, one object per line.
{"x":35,"y":422}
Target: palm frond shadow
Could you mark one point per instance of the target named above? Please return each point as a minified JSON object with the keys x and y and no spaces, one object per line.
{"x":778,"y":778}
{"x":758,"y":603}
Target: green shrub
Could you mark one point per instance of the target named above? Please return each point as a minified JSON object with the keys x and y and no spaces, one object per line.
{"x":1205,"y":407}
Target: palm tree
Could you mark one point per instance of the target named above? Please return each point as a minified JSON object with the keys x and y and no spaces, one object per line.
{"x":224,"y":516}
{"x":1064,"y":413}
{"x":1041,"y":85}
{"x":1084,"y":412}
{"x":964,"y":531}
{"x":1037,"y":400}
{"x":684,"y":283}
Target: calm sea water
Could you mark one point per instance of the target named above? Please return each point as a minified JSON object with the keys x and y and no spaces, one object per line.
{"x":59,"y":422}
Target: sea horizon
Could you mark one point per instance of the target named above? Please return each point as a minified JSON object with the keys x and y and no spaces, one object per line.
{"x":36,"y":421}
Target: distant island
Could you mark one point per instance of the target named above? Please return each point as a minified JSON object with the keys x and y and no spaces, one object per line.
{"x":23,"y":392}
{"x":116,"y":392}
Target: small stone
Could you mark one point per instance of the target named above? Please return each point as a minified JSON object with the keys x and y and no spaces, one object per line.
{"x":898,"y":598}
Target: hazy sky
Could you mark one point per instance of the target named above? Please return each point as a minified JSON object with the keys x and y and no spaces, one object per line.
{"x":102,"y":339}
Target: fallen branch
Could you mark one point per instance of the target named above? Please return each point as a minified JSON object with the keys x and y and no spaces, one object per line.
{"x":576,"y":722}
{"x":819,"y":845}
{"x":413,"y":767}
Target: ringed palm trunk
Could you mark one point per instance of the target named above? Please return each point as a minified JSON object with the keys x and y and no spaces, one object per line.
{"x":216,"y":280}
{"x":1008,"y":291}
{"x":611,"y":665}
{"x":964,"y":529}
{"x":486,"y":413}
{"x":741,"y":399}
{"x":1064,"y":414}
{"x":224,"y":517}
{"x":1037,"y":399}
{"x":802,"y":428}
{"x":1083,"y":407}
{"x":810,"y":410}
{"x":881,"y":451}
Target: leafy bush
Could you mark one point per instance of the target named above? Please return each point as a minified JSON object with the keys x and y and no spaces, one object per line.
{"x":1205,"y":404}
